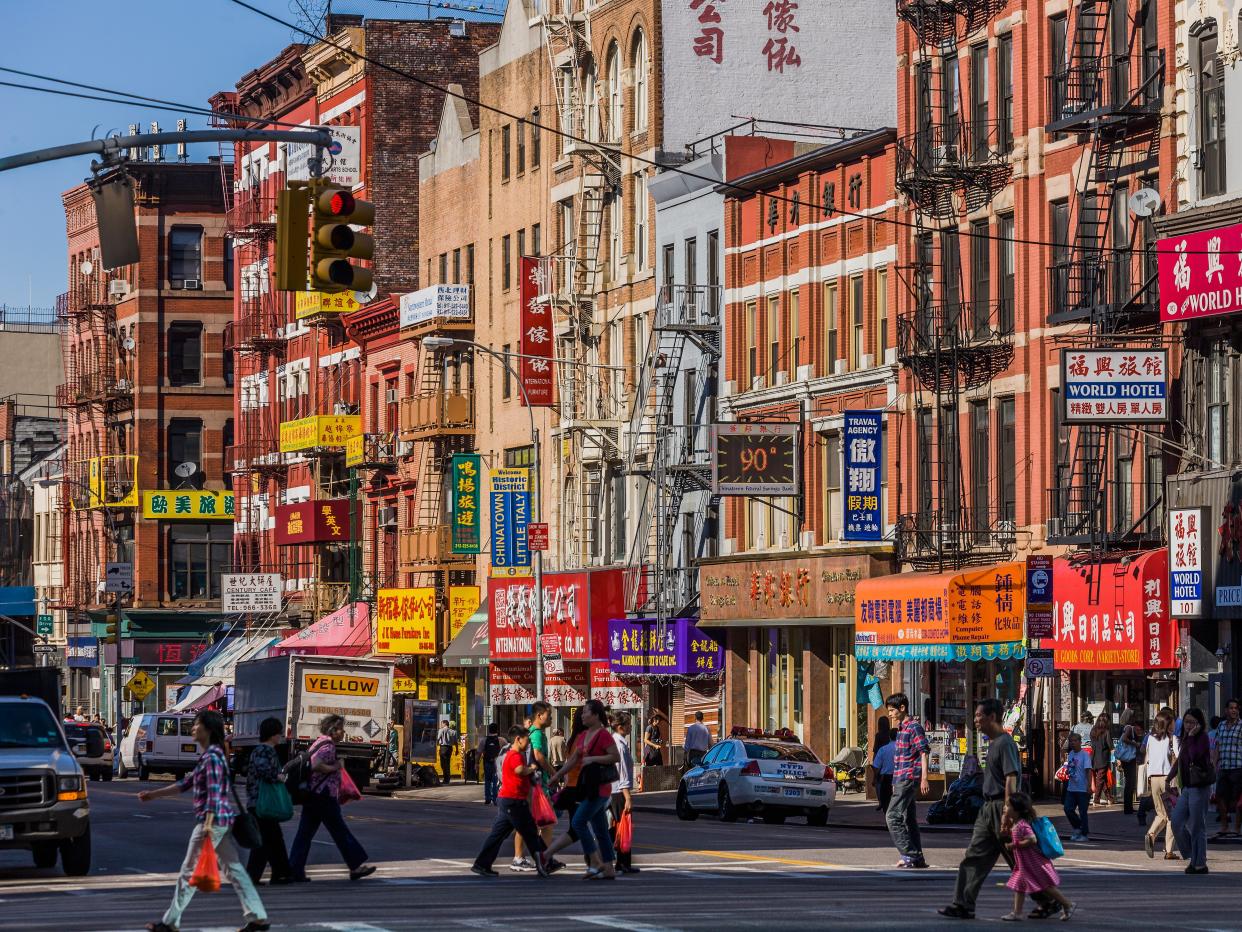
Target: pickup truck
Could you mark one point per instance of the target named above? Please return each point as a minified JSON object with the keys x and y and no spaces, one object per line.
{"x":43,"y":804}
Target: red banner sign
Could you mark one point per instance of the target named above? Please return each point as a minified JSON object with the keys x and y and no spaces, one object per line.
{"x":321,"y":522}
{"x":576,"y":609}
{"x":1200,"y":275}
{"x":536,"y":366}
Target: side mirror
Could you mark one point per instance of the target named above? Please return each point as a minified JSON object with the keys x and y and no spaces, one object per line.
{"x":94,"y":744}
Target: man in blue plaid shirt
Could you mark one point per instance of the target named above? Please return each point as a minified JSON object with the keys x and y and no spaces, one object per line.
{"x":910,"y":751}
{"x":1229,"y":768}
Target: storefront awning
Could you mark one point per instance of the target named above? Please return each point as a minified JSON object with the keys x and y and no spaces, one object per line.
{"x":199,"y":695}
{"x":970,"y":614}
{"x":344,"y":633}
{"x":469,"y":648}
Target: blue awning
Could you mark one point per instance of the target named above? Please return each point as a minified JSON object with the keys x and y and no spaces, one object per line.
{"x":17,"y":601}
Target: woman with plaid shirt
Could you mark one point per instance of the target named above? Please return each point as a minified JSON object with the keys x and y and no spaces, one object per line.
{"x":213,"y":816}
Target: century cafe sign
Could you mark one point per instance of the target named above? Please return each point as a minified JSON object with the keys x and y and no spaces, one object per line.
{"x":808,"y":588}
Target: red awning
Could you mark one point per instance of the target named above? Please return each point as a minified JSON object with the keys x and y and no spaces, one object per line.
{"x":1113,"y":614}
{"x":344,"y":633}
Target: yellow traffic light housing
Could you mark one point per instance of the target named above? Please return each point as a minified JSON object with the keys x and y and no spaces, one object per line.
{"x":292,"y":209}
{"x":334,"y":242}
{"x":112,"y":628}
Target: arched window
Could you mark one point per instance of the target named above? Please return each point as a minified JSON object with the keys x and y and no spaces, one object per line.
{"x":642,"y":65}
{"x":1210,"y":103}
{"x":614,"y":93}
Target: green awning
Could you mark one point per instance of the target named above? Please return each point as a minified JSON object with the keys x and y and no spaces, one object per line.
{"x":469,"y":648}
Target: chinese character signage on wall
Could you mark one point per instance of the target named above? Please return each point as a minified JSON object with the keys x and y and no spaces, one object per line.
{"x":1125,"y":385}
{"x":405,"y":621}
{"x":463,"y":602}
{"x":313,"y":303}
{"x":320,"y":430}
{"x":611,"y":690}
{"x":755,"y":459}
{"x":1200,"y":274}
{"x":250,"y":592}
{"x":864,"y":464}
{"x":467,"y":500}
{"x":187,"y":505}
{"x":535,"y":366}
{"x":355,"y":451}
{"x":810,"y":588}
{"x":509,"y":515}
{"x":1186,"y":562}
{"x":437,"y":302}
{"x":342,"y":164}
{"x":511,"y":683}
{"x":635,"y":645}
{"x":576,"y":609}
{"x":319,"y":522}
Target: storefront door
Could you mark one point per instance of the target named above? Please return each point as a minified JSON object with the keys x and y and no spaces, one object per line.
{"x":781,"y":679}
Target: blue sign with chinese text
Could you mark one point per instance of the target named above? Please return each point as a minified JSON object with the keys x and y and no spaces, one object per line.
{"x":863,"y":479}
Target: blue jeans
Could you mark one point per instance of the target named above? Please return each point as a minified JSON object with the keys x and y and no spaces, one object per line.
{"x":491,"y":782}
{"x":1190,"y":823}
{"x":1076,"y":803}
{"x":590,"y":822}
{"x":322,"y":809}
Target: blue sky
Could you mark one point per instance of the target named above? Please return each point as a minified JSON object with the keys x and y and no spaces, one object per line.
{"x":181,"y":50}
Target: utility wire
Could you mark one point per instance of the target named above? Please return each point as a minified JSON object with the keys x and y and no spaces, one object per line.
{"x":476,"y":10}
{"x":732,"y":186}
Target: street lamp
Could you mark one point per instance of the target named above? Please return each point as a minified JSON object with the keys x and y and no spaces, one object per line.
{"x":440,"y":343}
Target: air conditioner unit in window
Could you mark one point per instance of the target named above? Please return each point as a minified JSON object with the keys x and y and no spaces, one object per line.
{"x":391,"y":396}
{"x":192,"y":284}
{"x":118,"y":288}
{"x":386,"y":516}
{"x":943,"y":155}
{"x":1055,"y":528}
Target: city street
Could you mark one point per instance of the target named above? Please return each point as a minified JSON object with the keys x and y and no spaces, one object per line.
{"x":694,"y":876}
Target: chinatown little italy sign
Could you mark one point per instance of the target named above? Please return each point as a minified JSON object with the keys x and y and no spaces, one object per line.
{"x":1200,"y":274}
{"x":1102,"y":386}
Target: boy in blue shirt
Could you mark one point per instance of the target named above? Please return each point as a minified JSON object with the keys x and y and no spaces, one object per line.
{"x":882,"y":765}
{"x":1077,"y":788}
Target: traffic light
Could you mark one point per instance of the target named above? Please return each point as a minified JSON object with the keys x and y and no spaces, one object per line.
{"x":292,"y":208}
{"x":334,"y":242}
{"x":112,"y":628}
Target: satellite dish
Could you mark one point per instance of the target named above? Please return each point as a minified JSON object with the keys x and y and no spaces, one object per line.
{"x":185,"y":470}
{"x":1144,"y":202}
{"x":366,"y":297}
{"x":86,"y":267}
{"x":129,"y":344}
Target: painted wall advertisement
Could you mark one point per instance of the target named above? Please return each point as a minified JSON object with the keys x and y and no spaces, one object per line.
{"x":535,"y":366}
{"x":864,"y":464}
{"x":343,"y":164}
{"x":466,"y":502}
{"x":510,"y":515}
{"x":436,"y":302}
{"x":1186,"y":530}
{"x":405,"y":621}
{"x":1106,"y":385}
{"x":1200,"y":275}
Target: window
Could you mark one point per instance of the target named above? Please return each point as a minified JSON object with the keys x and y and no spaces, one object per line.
{"x":1058,"y":45}
{"x":980,"y":278}
{"x":506,"y":378}
{"x":617,"y":517}
{"x":521,"y":147}
{"x":569,"y":244}
{"x":752,"y":344}
{"x":506,"y":266}
{"x":831,"y":350}
{"x":638,"y":330}
{"x":1004,"y":90}
{"x":951,"y":468}
{"x":519,"y":457}
{"x":227,"y":366}
{"x":925,"y":459}
{"x":521,"y":245}
{"x":568,"y":129}
{"x":1005,"y":272}
{"x":641,"y":67}
{"x":590,"y":105}
{"x":772,"y":333}
{"x":197,"y":555}
{"x":858,"y":314}
{"x":228,"y":262}
{"x":185,"y":445}
{"x":505,"y":145}
{"x":1119,"y":68}
{"x":1153,"y":474}
{"x":640,"y":221}
{"x":536,"y":240}
{"x":1216,"y":372}
{"x":614,"y":236}
{"x":1209,"y":69}
{"x":832,"y":481}
{"x":456,"y":266}
{"x":950,"y":277}
{"x":979,"y":101}
{"x":1123,"y":484}
{"x":713,"y":273}
{"x":1120,"y":222}
{"x":980,"y":437}
{"x":185,"y":255}
{"x":1006,"y":458}
{"x":535,"y":140}
{"x":614,"y":94}
{"x":227,"y":436}
{"x":185,"y":354}
{"x":470,"y":264}
{"x":1151,"y":51}
{"x":692,"y":264}
{"x":1060,"y":256}
{"x":668,"y":270}
{"x":951,"y":98}
{"x":443,"y":280}
{"x":881,"y":315}
{"x":795,"y":325}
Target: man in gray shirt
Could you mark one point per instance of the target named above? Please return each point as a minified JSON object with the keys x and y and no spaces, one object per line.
{"x":698,"y":740}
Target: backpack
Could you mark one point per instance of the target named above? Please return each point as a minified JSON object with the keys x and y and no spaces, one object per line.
{"x":491,"y":748}
{"x":299,"y":778}
{"x":1049,"y":840}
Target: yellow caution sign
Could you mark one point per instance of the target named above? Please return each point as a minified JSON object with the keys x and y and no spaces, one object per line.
{"x":140,"y":685}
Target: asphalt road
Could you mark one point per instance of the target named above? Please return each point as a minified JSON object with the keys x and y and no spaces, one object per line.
{"x":695,"y":876}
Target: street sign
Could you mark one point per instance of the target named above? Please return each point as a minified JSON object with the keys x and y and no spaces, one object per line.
{"x":553,"y":663}
{"x":1039,"y":663}
{"x":1039,"y":580}
{"x":44,"y":648}
{"x":1040,"y":623}
{"x":44,"y":626}
{"x":119,"y":578}
{"x":537,"y":537}
{"x":551,"y":644}
{"x":140,"y":685}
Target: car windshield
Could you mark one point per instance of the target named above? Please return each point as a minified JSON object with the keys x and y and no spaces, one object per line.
{"x":26,"y":725}
{"x":76,"y":732}
{"x":794,"y":752}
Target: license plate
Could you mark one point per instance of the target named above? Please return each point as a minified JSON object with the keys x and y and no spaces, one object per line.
{"x":188,"y":748}
{"x":792,"y":791}
{"x":6,"y":833}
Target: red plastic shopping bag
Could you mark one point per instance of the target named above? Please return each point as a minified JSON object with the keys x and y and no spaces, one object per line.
{"x":625,"y":833}
{"x":541,"y":809}
{"x":206,"y":875}
{"x":349,"y":789}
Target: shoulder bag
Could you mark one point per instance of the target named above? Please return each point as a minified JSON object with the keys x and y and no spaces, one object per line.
{"x":245,"y":828}
{"x":596,"y":775}
{"x":1126,"y":750}
{"x":1047,"y":837}
{"x":274,"y":802}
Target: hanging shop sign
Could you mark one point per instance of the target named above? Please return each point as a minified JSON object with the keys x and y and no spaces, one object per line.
{"x":1113,"y":614}
{"x":82,"y":652}
{"x":321,"y":522}
{"x":1200,"y":275}
{"x":511,"y":683}
{"x":313,"y":303}
{"x":319,"y":430}
{"x":463,"y":602}
{"x":570,"y":686}
{"x":405,"y":621}
{"x":864,"y":464}
{"x":250,"y":592}
{"x":187,"y":505}
{"x":1115,"y":385}
{"x":810,"y":589}
{"x":974,"y":614}
{"x":510,"y":515}
{"x":610,"y":689}
{"x":437,"y":302}
{"x":342,"y":164}
{"x":1186,"y":540}
{"x":755,"y":459}
{"x":155,"y":652}
{"x":466,"y":502}
{"x":355,"y":451}
{"x":576,"y":610}
{"x":535,"y":368}
{"x":636,"y":646}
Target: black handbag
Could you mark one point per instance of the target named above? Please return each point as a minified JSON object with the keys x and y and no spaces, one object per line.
{"x":1199,"y":775}
{"x":594,"y":776}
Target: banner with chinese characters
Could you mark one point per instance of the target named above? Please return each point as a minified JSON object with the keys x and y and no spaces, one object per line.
{"x":320,"y":430}
{"x":1123,"y":385}
{"x":511,"y":682}
{"x":466,"y":503}
{"x":864,"y":465}
{"x":313,"y":303}
{"x":319,"y":522}
{"x":463,"y":602}
{"x":1200,"y":275}
{"x":611,"y":690}
{"x":509,"y":515}
{"x":1186,"y":531}
{"x":576,"y":609}
{"x":187,"y":505}
{"x":355,"y":451}
{"x":636,"y":645}
{"x":405,"y":621}
{"x":536,"y":345}
{"x":572,"y":686}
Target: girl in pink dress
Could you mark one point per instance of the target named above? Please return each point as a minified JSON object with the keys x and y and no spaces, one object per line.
{"x":1032,"y":871}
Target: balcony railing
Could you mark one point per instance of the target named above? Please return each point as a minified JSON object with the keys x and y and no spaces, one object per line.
{"x":423,"y":548}
{"x":689,"y":307}
{"x":1107,"y":88}
{"x":960,"y":537}
{"x":323,"y":598}
{"x":1116,"y":288}
{"x":436,"y":413}
{"x":966,"y":159}
{"x":253,"y":211}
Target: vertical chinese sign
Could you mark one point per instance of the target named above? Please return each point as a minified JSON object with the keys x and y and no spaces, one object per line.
{"x":509,"y":516}
{"x":782,"y":16}
{"x":1186,"y":562}
{"x":535,"y":366}
{"x":864,"y":462}
{"x":467,"y":469}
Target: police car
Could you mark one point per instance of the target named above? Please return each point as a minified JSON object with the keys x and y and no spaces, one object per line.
{"x":773,"y":776}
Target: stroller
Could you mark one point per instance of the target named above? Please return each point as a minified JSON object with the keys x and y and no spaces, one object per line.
{"x":849,"y":770}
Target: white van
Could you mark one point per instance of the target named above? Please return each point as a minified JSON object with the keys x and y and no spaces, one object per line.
{"x":159,"y":742}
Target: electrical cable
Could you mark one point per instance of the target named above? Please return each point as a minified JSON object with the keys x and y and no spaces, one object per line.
{"x":475,"y":10}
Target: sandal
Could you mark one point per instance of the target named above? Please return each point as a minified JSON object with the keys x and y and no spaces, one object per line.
{"x":1043,"y":912}
{"x":1011,"y":917}
{"x":593,"y":873}
{"x":1068,"y":911}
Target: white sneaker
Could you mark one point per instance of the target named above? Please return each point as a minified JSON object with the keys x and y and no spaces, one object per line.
{"x":1078,"y":836}
{"x":525,"y":865}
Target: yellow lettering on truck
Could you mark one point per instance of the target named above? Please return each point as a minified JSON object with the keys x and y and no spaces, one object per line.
{"x":335,"y":685}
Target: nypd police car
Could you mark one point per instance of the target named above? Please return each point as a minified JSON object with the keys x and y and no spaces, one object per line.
{"x":773,"y":776}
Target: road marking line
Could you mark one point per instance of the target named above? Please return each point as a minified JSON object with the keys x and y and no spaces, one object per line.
{"x":619,"y":922}
{"x":460,"y":862}
{"x":350,"y":927}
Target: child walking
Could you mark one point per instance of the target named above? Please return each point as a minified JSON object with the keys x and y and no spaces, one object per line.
{"x":1032,"y":871}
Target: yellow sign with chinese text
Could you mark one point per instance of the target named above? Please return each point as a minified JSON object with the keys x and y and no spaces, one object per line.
{"x":319,"y":430}
{"x":187,"y":505}
{"x":463,"y":602}
{"x":405,"y":621}
{"x":355,"y":451}
{"x":311,"y":303}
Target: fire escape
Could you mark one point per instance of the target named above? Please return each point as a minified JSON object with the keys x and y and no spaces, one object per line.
{"x":951,"y":165}
{"x":591,"y":420}
{"x":1108,"y":93}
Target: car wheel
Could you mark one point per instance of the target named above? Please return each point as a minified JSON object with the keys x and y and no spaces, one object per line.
{"x":818,"y":817}
{"x":144,"y":772}
{"x":122,"y":770}
{"x":774,"y":818}
{"x":685,"y":811}
{"x":75,"y":854}
{"x":725,"y":808}
{"x":44,"y":854}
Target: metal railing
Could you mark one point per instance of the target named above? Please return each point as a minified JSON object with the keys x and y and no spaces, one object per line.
{"x":1103,"y":87}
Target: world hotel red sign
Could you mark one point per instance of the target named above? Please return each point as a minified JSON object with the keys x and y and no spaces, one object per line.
{"x":1200,"y":274}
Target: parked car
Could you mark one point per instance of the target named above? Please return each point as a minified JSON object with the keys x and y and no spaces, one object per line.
{"x":77,"y":734}
{"x":773,"y":776}
{"x":159,"y":742}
